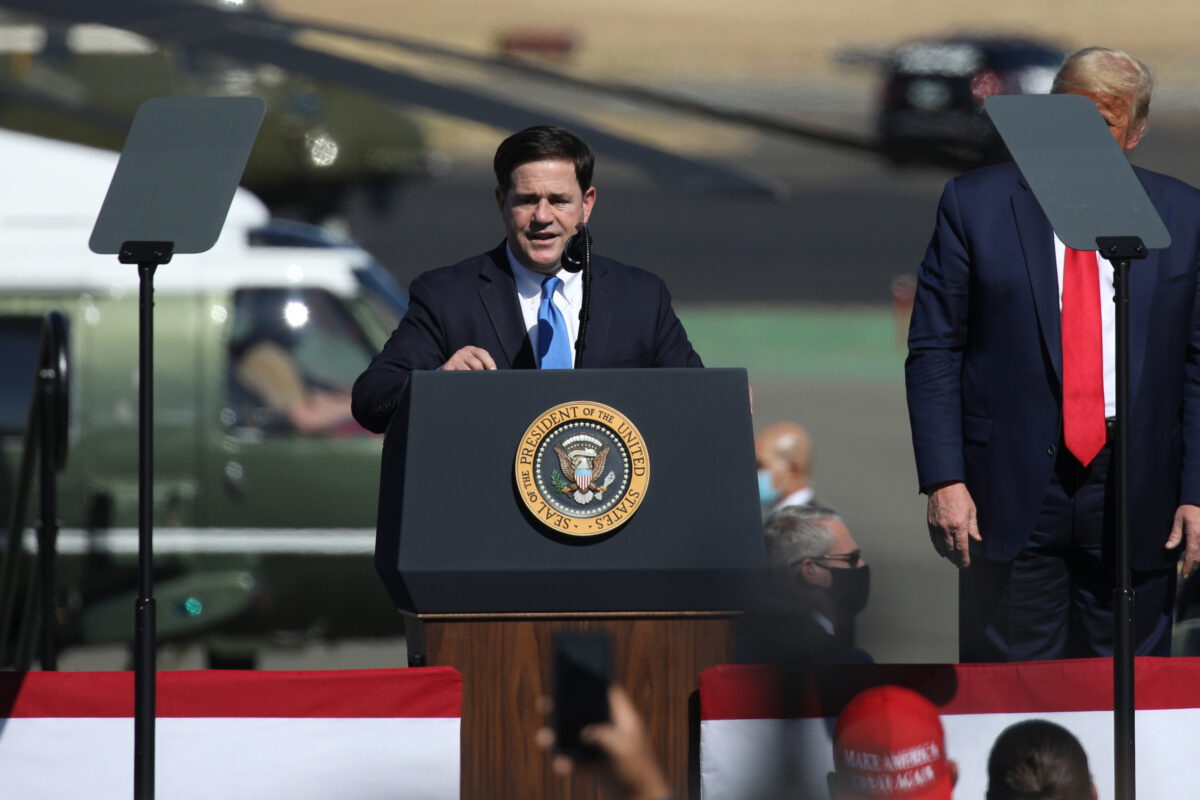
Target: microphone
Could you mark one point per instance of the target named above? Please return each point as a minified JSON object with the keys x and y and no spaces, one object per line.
{"x":578,"y":250}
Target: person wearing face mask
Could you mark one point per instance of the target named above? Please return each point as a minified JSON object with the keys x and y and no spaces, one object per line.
{"x":784,"y":455}
{"x":819,"y":583}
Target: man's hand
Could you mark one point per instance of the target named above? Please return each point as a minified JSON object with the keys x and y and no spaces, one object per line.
{"x":470,"y":357}
{"x":1186,"y":531}
{"x":952,"y":522}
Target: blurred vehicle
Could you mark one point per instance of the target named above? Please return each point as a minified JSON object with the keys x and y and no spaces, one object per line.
{"x":931,"y":105}
{"x":265,"y":489}
{"x":319,"y":145}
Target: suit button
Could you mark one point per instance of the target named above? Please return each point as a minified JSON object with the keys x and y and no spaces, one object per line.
{"x":1050,"y":450}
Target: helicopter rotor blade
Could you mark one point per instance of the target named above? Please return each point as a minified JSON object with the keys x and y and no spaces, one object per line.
{"x":263,"y":39}
{"x":627,"y":91}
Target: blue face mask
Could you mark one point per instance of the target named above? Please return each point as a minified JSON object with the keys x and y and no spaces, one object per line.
{"x":767,"y":493}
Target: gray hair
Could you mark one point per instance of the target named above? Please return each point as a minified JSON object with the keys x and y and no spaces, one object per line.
{"x":794,"y":533}
{"x":1102,"y":70}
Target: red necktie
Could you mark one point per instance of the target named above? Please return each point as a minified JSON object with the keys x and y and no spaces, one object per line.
{"x":1083,"y":356}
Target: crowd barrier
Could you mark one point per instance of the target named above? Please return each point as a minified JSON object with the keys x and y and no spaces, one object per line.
{"x":390,"y":733}
{"x":395,"y":733}
{"x":750,"y":745}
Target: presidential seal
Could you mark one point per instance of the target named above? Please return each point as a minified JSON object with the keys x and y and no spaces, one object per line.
{"x":582,"y":469}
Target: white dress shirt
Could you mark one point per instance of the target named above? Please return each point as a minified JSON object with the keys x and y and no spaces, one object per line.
{"x":568,"y":298}
{"x":800,"y":497}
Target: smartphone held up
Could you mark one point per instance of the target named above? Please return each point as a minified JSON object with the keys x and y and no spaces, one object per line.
{"x":582,"y":673}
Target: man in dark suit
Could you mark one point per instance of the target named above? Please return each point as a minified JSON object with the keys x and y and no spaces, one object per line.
{"x":1019,"y":481}
{"x":516,"y":307}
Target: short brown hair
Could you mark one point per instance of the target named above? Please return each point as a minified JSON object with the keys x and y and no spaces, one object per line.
{"x":537,"y":144}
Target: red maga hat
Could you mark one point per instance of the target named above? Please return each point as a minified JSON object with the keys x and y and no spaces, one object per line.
{"x":888,"y":742}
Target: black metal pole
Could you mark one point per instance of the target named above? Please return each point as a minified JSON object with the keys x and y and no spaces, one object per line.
{"x":1123,"y":663}
{"x":144,"y":611}
{"x":48,"y":524}
{"x":1120,"y":250}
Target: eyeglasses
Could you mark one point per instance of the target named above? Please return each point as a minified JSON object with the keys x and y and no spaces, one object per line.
{"x":852,"y":558}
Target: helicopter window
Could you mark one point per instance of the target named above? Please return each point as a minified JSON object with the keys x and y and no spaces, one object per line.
{"x":20,"y":339}
{"x":387,"y":299}
{"x":294,"y":355}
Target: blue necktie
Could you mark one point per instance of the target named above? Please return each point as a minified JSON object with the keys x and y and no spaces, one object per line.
{"x":554,"y":343}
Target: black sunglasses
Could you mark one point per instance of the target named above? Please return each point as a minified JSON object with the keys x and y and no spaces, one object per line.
{"x":852,"y":558}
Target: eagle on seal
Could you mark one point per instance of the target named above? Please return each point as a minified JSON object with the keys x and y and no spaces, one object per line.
{"x":578,"y":471}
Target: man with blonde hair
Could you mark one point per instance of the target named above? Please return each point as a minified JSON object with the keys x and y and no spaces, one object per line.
{"x":1109,"y":73}
{"x":1012,"y":397}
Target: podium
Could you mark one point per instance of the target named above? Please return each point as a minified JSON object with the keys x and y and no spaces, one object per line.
{"x":516,"y":504}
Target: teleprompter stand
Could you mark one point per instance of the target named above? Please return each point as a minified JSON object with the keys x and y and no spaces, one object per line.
{"x":485,"y":587}
{"x":1094,"y":201}
{"x":170,"y":194}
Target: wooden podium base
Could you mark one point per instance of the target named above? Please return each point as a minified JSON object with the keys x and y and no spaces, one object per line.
{"x":505,"y":664}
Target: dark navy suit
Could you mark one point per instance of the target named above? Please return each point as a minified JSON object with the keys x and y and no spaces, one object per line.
{"x":474,"y":302}
{"x":984,"y":372}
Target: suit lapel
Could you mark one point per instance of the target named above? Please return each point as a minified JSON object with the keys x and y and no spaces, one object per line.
{"x":603,"y":308}
{"x":1037,"y":244}
{"x":499,"y":297}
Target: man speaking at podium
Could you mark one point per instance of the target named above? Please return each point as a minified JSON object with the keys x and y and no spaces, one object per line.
{"x":517,"y":307}
{"x":1011,"y":394}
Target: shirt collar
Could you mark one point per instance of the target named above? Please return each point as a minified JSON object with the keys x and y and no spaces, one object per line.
{"x":799,"y":497}
{"x":825,"y":622}
{"x":529,"y":283}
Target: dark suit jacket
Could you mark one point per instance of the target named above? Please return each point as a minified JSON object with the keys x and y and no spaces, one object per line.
{"x":984,"y":371}
{"x":474,"y":302}
{"x":781,"y":627}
